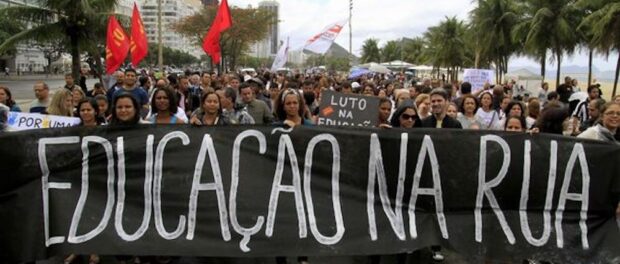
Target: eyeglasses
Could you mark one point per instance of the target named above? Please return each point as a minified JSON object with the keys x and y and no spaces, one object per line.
{"x":612,"y":113}
{"x":406,"y":116}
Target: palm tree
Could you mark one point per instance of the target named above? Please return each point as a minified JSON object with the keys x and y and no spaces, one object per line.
{"x":391,"y":51}
{"x":548,"y":25}
{"x":76,"y":23}
{"x":604,"y":24}
{"x":413,"y":50}
{"x":370,"y":51}
{"x":447,"y":47}
{"x":492,"y":23}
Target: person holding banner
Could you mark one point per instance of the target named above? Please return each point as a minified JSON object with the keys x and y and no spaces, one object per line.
{"x":164,"y":108}
{"x":7,"y":99}
{"x":290,"y":109}
{"x":126,"y":110}
{"x":439,"y":107}
{"x":606,"y":128}
{"x":61,"y":104}
{"x":211,"y":114}
{"x":88,"y":111}
{"x":406,"y":116}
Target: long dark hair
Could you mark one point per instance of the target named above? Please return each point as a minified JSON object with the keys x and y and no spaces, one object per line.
{"x":136,"y":118}
{"x":98,"y":118}
{"x":204,"y":98}
{"x":407,"y":104}
{"x":280,"y":103}
{"x":9,"y":98}
{"x":172,"y":99}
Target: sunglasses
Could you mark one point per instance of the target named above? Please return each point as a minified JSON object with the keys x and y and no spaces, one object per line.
{"x":406,"y":116}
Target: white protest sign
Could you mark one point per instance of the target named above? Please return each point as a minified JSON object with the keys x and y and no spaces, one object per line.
{"x":24,"y":121}
{"x":477,"y":78}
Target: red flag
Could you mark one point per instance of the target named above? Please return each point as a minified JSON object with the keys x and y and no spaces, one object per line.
{"x":139,"y":45}
{"x":222,"y":21}
{"x":117,"y":45}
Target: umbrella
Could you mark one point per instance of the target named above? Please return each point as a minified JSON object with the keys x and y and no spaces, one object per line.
{"x":378,"y":68}
{"x":356,"y":73}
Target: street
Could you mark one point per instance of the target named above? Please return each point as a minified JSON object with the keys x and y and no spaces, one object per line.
{"x":22,"y":86}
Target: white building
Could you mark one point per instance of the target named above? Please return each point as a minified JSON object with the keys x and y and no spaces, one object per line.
{"x":172,"y":12}
{"x":268,"y":47}
{"x":27,"y":59}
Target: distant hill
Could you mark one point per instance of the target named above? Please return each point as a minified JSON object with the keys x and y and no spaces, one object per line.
{"x":336,"y":51}
{"x":579,"y":72}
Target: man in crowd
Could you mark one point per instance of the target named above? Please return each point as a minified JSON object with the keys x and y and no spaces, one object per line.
{"x":70,"y":83}
{"x":565,"y":90}
{"x":237,"y":114}
{"x":465,"y":90}
{"x":42,"y":93}
{"x":205,"y":85}
{"x":439,"y":107}
{"x":129,"y":86}
{"x":258,"y":86}
{"x":187,"y":101}
{"x":594,"y":112}
{"x":542,"y":92}
{"x":582,"y":110}
{"x":256,"y":108}
{"x":119,"y":76}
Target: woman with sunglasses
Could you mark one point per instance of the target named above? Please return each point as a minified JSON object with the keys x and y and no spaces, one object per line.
{"x":406,"y":116}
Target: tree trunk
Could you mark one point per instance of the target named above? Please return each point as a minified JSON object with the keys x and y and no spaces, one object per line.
{"x":477,"y":59}
{"x":543,"y":64}
{"x":75,"y":58}
{"x":99,"y":66}
{"x":613,"y":93}
{"x":590,"y":67}
{"x":557,"y":74}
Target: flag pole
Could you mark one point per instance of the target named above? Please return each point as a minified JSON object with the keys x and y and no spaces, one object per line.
{"x":160,"y":51}
{"x":350,"y":32}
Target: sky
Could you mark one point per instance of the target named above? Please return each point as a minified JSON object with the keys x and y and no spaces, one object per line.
{"x":386,"y":20}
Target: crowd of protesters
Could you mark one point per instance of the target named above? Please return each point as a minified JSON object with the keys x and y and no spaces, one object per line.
{"x":207,"y":99}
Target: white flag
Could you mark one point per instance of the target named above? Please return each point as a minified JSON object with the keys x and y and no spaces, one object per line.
{"x":281,"y":57}
{"x":321,"y":42}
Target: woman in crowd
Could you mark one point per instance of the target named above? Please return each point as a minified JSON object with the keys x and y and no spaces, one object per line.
{"x":88,"y":111}
{"x":606,"y":128}
{"x":369,"y":89}
{"x":61,"y":104}
{"x":7,"y":99}
{"x":515,"y":124}
{"x":489,"y":116}
{"x":164,"y":107}
{"x":552,"y":119}
{"x":385,"y":108}
{"x":104,"y":109}
{"x":290,"y":109}
{"x":533,"y":112}
{"x":423,"y":104}
{"x":211,"y":113}
{"x":406,"y":116}
{"x":512,"y":109}
{"x":467,"y":115}
{"x":125,"y":111}
{"x":77,"y":96}
{"x":616,"y":99}
{"x":452,"y":110}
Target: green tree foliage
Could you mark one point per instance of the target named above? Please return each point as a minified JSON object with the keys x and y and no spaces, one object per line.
{"x":447,"y":45}
{"x":249,"y":26}
{"x":391,"y":51}
{"x":492,"y":23}
{"x":370,"y":51}
{"x":413,"y":50}
{"x":548,"y":25}
{"x":9,"y":28}
{"x":171,"y":57}
{"x":76,"y":23}
{"x":603,"y":23}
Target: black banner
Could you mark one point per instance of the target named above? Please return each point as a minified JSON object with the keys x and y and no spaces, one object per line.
{"x":314,"y":191}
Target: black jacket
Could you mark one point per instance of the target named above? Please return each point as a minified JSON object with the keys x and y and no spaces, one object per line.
{"x":448,"y":122}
